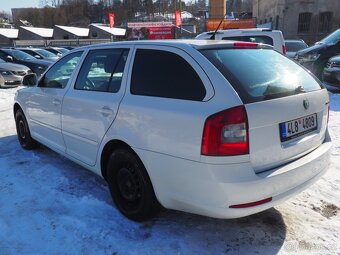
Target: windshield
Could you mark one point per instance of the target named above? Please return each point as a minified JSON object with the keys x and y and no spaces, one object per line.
{"x":295,"y":46}
{"x":259,"y":75}
{"x":332,"y":38}
{"x":62,"y":50}
{"x":45,"y":53}
{"x":20,"y":55}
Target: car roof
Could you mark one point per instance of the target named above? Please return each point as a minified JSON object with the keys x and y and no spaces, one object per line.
{"x":197,"y":44}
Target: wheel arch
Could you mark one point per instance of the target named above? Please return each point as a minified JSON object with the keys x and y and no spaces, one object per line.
{"x":109,"y":147}
{"x":16,"y":107}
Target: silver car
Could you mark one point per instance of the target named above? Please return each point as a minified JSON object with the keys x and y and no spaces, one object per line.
{"x":12,"y":74}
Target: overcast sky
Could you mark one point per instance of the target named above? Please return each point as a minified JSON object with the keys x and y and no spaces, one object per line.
{"x":6,"y":5}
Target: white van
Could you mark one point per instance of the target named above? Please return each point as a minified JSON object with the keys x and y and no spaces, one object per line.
{"x":257,"y":35}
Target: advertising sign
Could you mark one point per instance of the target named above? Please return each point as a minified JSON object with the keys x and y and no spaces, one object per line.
{"x":157,"y":33}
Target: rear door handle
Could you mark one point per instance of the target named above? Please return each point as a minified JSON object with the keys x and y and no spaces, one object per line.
{"x":56,"y":102}
{"x":105,"y":111}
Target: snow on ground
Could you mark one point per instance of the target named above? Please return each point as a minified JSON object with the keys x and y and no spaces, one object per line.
{"x":49,"y":205}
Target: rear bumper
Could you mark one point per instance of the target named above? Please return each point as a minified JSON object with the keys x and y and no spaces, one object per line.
{"x":209,"y":189}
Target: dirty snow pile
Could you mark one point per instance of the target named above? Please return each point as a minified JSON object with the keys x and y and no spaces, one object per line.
{"x":49,"y":205}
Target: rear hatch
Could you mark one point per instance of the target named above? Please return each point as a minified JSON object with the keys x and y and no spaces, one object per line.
{"x":287,"y":108}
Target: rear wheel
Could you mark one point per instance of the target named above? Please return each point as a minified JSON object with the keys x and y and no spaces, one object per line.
{"x":130,"y":186}
{"x":23,"y":132}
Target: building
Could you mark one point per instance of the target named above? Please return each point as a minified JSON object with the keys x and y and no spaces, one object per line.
{"x":35,"y":33}
{"x":65,"y":32}
{"x":102,"y":31}
{"x":310,"y":20}
{"x":7,"y":36}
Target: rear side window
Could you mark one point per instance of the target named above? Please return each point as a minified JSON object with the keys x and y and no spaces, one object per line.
{"x":259,"y":75}
{"x":165,"y":74}
{"x":256,"y":39}
{"x":102,"y":70}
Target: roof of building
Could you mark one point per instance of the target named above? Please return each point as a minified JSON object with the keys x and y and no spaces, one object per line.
{"x":78,"y":31}
{"x":113,"y":31}
{"x":43,"y":32}
{"x":9,"y":33}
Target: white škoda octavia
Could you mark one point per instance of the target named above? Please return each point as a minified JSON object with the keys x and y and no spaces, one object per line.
{"x":223,"y":129}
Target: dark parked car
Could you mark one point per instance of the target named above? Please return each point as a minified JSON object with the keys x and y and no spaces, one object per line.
{"x":12,"y":74}
{"x":316,"y":57}
{"x":40,"y":53}
{"x":331,"y":74}
{"x":57,"y":50}
{"x":293,"y":46}
{"x":38,"y":66}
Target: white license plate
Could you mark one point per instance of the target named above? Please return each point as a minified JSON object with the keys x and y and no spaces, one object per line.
{"x":298,"y":127}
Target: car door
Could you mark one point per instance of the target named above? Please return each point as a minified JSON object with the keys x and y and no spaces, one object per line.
{"x":91,"y":105}
{"x":44,"y":105}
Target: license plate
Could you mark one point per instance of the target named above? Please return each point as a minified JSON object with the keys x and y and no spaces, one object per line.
{"x":298,"y":127}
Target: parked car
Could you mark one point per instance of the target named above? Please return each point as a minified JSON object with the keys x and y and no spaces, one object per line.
{"x":2,"y":81}
{"x":57,"y":50}
{"x":316,"y":57}
{"x":12,"y":73}
{"x":38,"y":66}
{"x":331,"y":74}
{"x":40,"y":53}
{"x":293,"y":46}
{"x":257,"y":35}
{"x":223,"y":129}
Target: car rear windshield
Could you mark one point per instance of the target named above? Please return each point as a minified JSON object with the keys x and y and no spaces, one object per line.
{"x":261,"y":74}
{"x":295,"y":46}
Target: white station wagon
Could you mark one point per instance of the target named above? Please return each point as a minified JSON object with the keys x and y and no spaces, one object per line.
{"x":217,"y":128}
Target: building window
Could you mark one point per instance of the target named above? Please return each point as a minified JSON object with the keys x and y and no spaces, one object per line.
{"x":304,"y":22}
{"x":325,"y":22}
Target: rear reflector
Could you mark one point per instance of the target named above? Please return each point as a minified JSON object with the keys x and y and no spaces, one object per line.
{"x":251,"y":204}
{"x":245,"y":44}
{"x":226,"y":133}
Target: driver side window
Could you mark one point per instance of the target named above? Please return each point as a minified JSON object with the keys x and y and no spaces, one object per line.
{"x":60,"y":73}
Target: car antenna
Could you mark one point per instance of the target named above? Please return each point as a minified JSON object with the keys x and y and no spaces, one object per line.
{"x":218,"y":27}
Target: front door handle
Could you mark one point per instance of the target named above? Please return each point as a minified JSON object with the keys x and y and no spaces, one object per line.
{"x":105,"y":111}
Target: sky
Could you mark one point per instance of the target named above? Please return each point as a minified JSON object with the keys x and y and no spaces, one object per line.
{"x":6,"y":5}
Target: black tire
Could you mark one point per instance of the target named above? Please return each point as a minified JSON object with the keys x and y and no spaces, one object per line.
{"x":23,"y":132}
{"x":130,"y":186}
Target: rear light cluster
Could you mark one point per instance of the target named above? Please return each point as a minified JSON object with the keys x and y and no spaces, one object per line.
{"x":226,"y":133}
{"x":284,"y":50}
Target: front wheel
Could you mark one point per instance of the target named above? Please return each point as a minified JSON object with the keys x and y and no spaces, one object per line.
{"x":23,"y":132}
{"x":130,"y":186}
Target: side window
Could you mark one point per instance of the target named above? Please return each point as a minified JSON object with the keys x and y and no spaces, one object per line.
{"x":60,"y":73}
{"x":257,"y":39}
{"x":165,"y":74}
{"x":102,"y":70}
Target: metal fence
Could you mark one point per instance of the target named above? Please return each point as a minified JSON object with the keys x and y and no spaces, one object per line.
{"x":68,"y":42}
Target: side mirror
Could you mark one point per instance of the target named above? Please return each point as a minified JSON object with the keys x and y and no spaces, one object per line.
{"x":37,"y":56}
{"x":30,"y":80}
{"x":9,"y":59}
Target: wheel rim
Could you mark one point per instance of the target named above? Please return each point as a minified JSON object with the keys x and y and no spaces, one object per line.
{"x":22,"y":129}
{"x":129,"y":184}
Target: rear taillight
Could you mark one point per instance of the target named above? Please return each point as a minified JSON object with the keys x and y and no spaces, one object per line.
{"x":226,"y":133}
{"x":284,"y":50}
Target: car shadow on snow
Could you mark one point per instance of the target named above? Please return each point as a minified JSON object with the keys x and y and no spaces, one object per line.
{"x":78,"y":200}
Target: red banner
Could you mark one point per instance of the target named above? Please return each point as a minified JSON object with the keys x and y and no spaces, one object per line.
{"x":178,"y":18}
{"x":111,"y":19}
{"x":156,"y":33}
